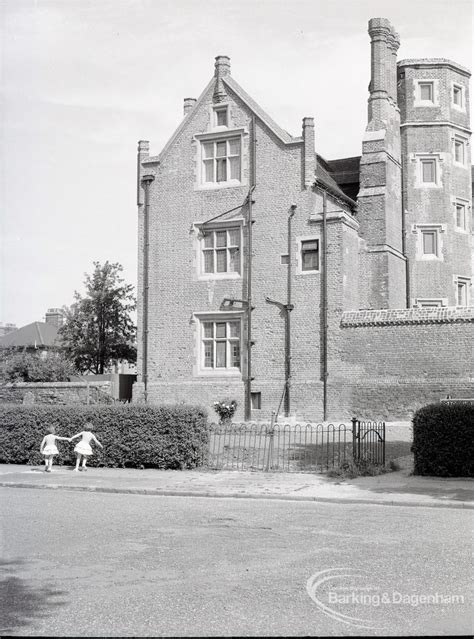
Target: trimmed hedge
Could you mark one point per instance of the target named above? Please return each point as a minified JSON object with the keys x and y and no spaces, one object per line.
{"x":134,"y":436}
{"x":443,"y":440}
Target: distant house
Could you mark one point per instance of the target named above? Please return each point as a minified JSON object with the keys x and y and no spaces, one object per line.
{"x":6,"y":328}
{"x":35,"y":336}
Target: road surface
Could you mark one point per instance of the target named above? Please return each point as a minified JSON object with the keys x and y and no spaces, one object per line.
{"x":92,"y":564}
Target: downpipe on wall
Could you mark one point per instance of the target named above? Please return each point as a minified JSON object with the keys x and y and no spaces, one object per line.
{"x":146,"y":182}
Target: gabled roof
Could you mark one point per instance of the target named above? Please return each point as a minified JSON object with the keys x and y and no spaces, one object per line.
{"x":325,"y":177}
{"x":323,"y":170}
{"x":345,"y":170}
{"x":259,"y":112}
{"x":169,"y":144}
{"x":34,"y":335}
{"x":283,"y":135}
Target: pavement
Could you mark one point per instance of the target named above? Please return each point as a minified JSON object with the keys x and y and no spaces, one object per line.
{"x":399,"y":488}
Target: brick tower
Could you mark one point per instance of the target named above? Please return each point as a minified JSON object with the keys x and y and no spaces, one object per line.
{"x":433,"y":95}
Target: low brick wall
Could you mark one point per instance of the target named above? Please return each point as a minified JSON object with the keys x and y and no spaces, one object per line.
{"x":392,"y":362}
{"x":56,"y":393}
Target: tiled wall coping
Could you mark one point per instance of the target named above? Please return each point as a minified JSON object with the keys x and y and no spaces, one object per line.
{"x":387,"y":317}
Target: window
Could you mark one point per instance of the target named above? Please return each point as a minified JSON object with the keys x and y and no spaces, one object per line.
{"x":459,"y":150}
{"x":458,"y":96}
{"x":429,"y":242}
{"x":430,"y":303}
{"x":284,"y":259}
{"x":221,"y":160}
{"x":220,"y":250}
{"x":310,"y":255}
{"x":461,"y":216}
{"x":221,"y":116}
{"x":426,"y":91}
{"x":428,"y":171}
{"x":462,"y":291}
{"x":256,"y":400}
{"x":220,"y":344}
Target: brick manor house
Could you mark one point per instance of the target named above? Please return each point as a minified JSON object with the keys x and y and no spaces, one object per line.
{"x":274,"y":277}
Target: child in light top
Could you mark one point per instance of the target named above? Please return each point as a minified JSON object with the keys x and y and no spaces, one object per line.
{"x":49,"y":449}
{"x":83,"y":448}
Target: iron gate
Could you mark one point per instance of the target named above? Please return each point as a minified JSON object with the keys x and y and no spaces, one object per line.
{"x":294,"y":447}
{"x":368,"y":442}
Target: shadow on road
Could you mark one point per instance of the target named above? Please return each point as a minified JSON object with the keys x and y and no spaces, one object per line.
{"x":20,"y":603}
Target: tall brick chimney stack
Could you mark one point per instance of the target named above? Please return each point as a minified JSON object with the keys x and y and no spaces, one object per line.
{"x":188,"y":105}
{"x":393,"y":45}
{"x":379,"y":200}
{"x":222,"y":68}
{"x":143,"y":152}
{"x":309,"y":151}
{"x":383,"y":83}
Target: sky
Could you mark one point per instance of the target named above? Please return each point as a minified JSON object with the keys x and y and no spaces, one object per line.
{"x":81,"y":81}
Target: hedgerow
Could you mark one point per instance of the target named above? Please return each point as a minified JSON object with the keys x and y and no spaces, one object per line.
{"x":134,"y":436}
{"x":443,"y":440}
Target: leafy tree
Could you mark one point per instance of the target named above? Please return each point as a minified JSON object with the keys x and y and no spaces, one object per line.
{"x":25,"y":366}
{"x":98,"y":330}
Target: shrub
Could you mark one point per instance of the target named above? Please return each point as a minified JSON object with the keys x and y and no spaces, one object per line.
{"x":350,"y":469}
{"x":443,"y":442}
{"x":225,"y":409}
{"x":23,"y":366}
{"x":133,"y":436}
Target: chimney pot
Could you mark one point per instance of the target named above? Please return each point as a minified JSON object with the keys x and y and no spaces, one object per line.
{"x":222,"y":66}
{"x":143,"y":146}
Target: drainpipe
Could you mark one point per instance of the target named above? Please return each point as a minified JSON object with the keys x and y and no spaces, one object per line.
{"x":324,"y":304}
{"x":404,"y":244}
{"x":146,"y":182}
{"x":248,"y":381}
{"x":289,"y":307}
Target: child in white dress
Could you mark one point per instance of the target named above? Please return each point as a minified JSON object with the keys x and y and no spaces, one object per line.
{"x":83,"y":448}
{"x":49,"y":449}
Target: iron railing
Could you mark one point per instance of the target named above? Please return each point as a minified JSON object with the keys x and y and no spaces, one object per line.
{"x":278,"y":447}
{"x":294,"y":447}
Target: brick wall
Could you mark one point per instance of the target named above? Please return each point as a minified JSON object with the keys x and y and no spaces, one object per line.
{"x":393,"y":362}
{"x":56,"y":393}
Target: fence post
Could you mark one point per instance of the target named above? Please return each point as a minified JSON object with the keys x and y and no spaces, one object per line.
{"x":355,"y":436}
{"x":270,"y":443}
{"x":383,"y":445}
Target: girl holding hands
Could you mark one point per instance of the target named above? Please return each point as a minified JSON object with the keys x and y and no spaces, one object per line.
{"x":49,"y":449}
{"x":83,"y":448}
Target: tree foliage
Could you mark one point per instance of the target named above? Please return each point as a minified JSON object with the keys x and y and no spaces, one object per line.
{"x":26,"y":366}
{"x":98,"y":330}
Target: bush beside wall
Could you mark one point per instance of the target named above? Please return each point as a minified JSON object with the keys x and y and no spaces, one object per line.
{"x":132,"y":435}
{"x":443,"y":440}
